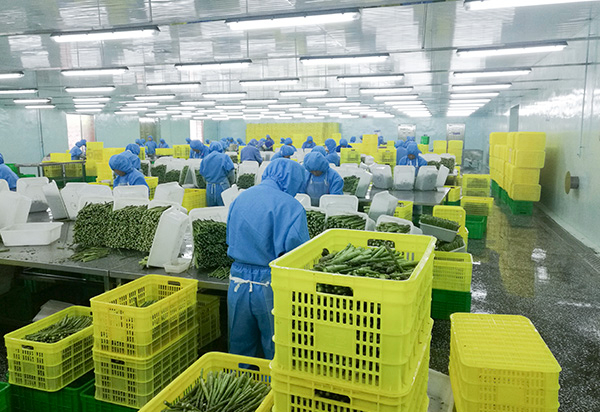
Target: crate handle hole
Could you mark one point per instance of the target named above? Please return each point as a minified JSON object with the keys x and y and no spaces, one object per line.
{"x":332,"y":396}
{"x":173,"y":283}
{"x":117,"y":361}
{"x":27,"y":347}
{"x":334,"y":289}
{"x":248,"y":366}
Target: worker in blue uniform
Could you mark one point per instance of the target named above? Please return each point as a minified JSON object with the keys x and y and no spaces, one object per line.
{"x":323,"y":180}
{"x":197,"y":149}
{"x":76,"y":152}
{"x":151,"y":146}
{"x":343,"y":144}
{"x":309,"y":144}
{"x":254,"y":240}
{"x":140,"y":142}
{"x":163,"y":144}
{"x":7,"y":174}
{"x":319,"y":149}
{"x":217,"y":170}
{"x":251,"y":152}
{"x":380,"y":141}
{"x":284,"y":151}
{"x":412,"y":157}
{"x":240,"y":142}
{"x":269,"y":143}
{"x":127,"y":175}
{"x":400,"y":150}
{"x":261,"y":145}
{"x":282,"y":140}
{"x":188,"y":140}
{"x":134,"y":149}
{"x":353,"y":139}
{"x":332,"y":156}
{"x":289,"y":142}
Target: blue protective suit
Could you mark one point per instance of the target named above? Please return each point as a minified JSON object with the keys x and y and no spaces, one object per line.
{"x":332,"y":156}
{"x":251,"y":152}
{"x":215,"y":168}
{"x":197,"y":150}
{"x":163,"y":144}
{"x":289,"y":142}
{"x":282,"y":140}
{"x":343,"y":144}
{"x":135,"y":151}
{"x":151,"y":146}
{"x":140,"y":142}
{"x":309,"y":144}
{"x":417,"y":162}
{"x":284,"y":151}
{"x":122,"y":162}
{"x":240,"y":142}
{"x":320,"y":149}
{"x":261,"y":144}
{"x":400,"y":153}
{"x":328,"y":183}
{"x":76,"y":151}
{"x":269,"y":143}
{"x":188,"y":140}
{"x":353,"y":139}
{"x":7,"y":174}
{"x":380,"y":141}
{"x":254,"y":240}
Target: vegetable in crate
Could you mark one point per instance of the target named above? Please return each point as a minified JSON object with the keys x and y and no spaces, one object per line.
{"x":346,"y":222}
{"x":67,"y":326}
{"x":457,"y":243}
{"x":221,"y":392}
{"x":183,"y":175}
{"x":210,"y":244}
{"x":172,"y":176}
{"x":350,"y":184}
{"x":90,"y":228}
{"x":392,"y":227}
{"x":159,"y":171}
{"x":316,"y":222}
{"x":245,"y":181}
{"x":439,"y":222}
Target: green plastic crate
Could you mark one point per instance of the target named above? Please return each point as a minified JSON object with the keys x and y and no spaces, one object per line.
{"x":64,"y":400}
{"x":457,"y":203}
{"x":5,"y":397}
{"x":519,"y":207}
{"x":477,"y":226}
{"x":90,"y":404}
{"x":495,"y":189}
{"x":446,"y":302}
{"x":12,"y":167}
{"x":504,"y":196}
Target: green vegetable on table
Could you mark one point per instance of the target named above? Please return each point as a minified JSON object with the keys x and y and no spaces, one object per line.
{"x":316,"y":222}
{"x":159,"y":171}
{"x":67,"y":326}
{"x":220,"y":273}
{"x":350,"y":184}
{"x":439,"y":222}
{"x":457,"y":243}
{"x":392,"y":227}
{"x":245,"y":181}
{"x":234,"y":158}
{"x":91,"y":229}
{"x":93,"y":253}
{"x":346,"y":222}
{"x":210,"y":244}
{"x":183,"y":175}
{"x":123,"y":225}
{"x":434,"y":163}
{"x":200,"y":182}
{"x":145,"y":168}
{"x":221,"y":392}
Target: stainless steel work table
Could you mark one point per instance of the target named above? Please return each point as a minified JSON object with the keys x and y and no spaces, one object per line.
{"x":419,"y":198}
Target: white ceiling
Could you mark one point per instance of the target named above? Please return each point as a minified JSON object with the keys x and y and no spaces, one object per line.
{"x":421,"y":38}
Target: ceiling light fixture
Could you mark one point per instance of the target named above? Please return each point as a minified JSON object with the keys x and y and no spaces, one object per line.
{"x":31,"y":101}
{"x":181,"y":109}
{"x":11,"y":75}
{"x":128,"y":113}
{"x":156,"y":115}
{"x":173,"y":86}
{"x":469,"y":87}
{"x":231,"y":107}
{"x":134,"y":109}
{"x":470,"y":101}
{"x":371,"y":78}
{"x":325,"y":99}
{"x":473,"y":95}
{"x":521,"y":48}
{"x":343,"y":104}
{"x":156,"y":97}
{"x":399,"y":97}
{"x":89,"y":106}
{"x":293,"y":19}
{"x":303,"y":93}
{"x":497,"y":4}
{"x":18,"y":91}
{"x":215,"y":65}
{"x":199,"y":103}
{"x":94,"y":72}
{"x":493,"y":73}
{"x":230,"y":96}
{"x":99,"y":35}
{"x":144,"y":104}
{"x":94,"y":89}
{"x":90,"y":99}
{"x":386,"y":90}
{"x":344,"y":59}
{"x":284,"y":106}
{"x":40,"y":106}
{"x":271,"y":82}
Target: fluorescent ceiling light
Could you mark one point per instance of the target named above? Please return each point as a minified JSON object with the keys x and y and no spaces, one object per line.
{"x":271,"y":82}
{"x":94,"y":89}
{"x":293,"y":19}
{"x":201,"y":118}
{"x":89,"y":106}
{"x":255,"y":110}
{"x":344,"y":59}
{"x":11,"y":75}
{"x":303,"y":93}
{"x":134,"y":109}
{"x":470,"y":101}
{"x":173,"y":86}
{"x":399,"y":97}
{"x":215,"y":65}
{"x":325,"y":99}
{"x":512,"y":49}
{"x":18,"y":91}
{"x":386,"y":90}
{"x":199,"y":103}
{"x":181,"y":109}
{"x":155,"y":97}
{"x":493,"y":73}
{"x":94,"y":72}
{"x":231,"y":107}
{"x":371,"y":78}
{"x":31,"y":101}
{"x":413,"y":103}
{"x":90,"y":99}
{"x":41,"y":106}
{"x":258,"y":101}
{"x":467,"y":87}
{"x":145,"y":104}
{"x":88,"y":110}
{"x":473,"y":95}
{"x":341,"y":104}
{"x":419,"y":115}
{"x":99,"y":35}
{"x":156,"y":115}
{"x":497,"y":4}
{"x":235,"y":95}
{"x":284,"y":106}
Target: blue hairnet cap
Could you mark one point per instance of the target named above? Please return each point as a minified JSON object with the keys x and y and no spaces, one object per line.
{"x":412,"y":149}
{"x":315,"y":161}
{"x":353,"y":139}
{"x":282,"y":140}
{"x":309,"y":139}
{"x":149,"y":137}
{"x":319,"y":149}
{"x":330,"y":144}
{"x":399,"y":143}
{"x":286,"y":151}
{"x":343,"y":142}
{"x":216,"y":147}
{"x":196,"y":145}
{"x":162,"y":140}
{"x":120,"y":162}
{"x":410,"y":138}
{"x":289,"y":141}
{"x":240,"y":141}
{"x":1,"y":159}
{"x":188,"y":140}
{"x":253,"y":142}
{"x":289,"y":175}
{"x":83,"y":142}
{"x":133,"y":148}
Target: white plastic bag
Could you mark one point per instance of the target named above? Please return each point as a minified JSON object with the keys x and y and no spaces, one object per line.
{"x":382,"y":176}
{"x":404,"y":177}
{"x":426,"y":178}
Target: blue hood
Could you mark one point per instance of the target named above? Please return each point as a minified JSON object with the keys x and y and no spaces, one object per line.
{"x":196,"y":145}
{"x":353,"y":139}
{"x":286,"y":151}
{"x":216,"y":147}
{"x":400,"y":143}
{"x":289,"y":141}
{"x":412,"y":149}
{"x":133,"y":148}
{"x":315,"y":161}
{"x":253,"y":142}
{"x":330,"y":145}
{"x":343,"y":142}
{"x":120,"y":162}
{"x":288,"y":175}
{"x":1,"y":159}
{"x":319,"y":149}
{"x":309,"y":139}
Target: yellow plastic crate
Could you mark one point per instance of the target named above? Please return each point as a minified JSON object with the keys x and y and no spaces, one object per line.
{"x":74,"y":170}
{"x":60,"y":157}
{"x":90,"y":168}
{"x":349,"y":155}
{"x":131,"y":381}
{"x":476,"y":181}
{"x":292,"y":393}
{"x":455,"y":213}
{"x":404,"y":210}
{"x":464,"y":233}
{"x":454,"y":194}
{"x":181,"y":151}
{"x":111,"y":151}
{"x":258,"y":369}
{"x":94,"y":145}
{"x":498,"y":138}
{"x":452,"y":271}
{"x":501,"y":152}
{"x":123,"y":328}
{"x":51,"y":171}
{"x":152,"y":183}
{"x":502,"y":363}
{"x":440,"y":146}
{"x":424,"y":148}
{"x":209,"y":323}
{"x":341,"y":338}
{"x":165,"y":151}
{"x":386,"y":156}
{"x":533,"y":141}
{"x":526,"y":193}
{"x":527,"y":159}
{"x":49,"y":366}
{"x":480,"y":206}
{"x":194,"y":198}
{"x":519,"y":175}
{"x":455,"y":146}
{"x":142,"y":154}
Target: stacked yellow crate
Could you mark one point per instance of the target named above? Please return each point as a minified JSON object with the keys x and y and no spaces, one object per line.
{"x":440,"y":146}
{"x":476,"y":185}
{"x":370,"y":144}
{"x":424,"y":148}
{"x":455,"y":147}
{"x":386,"y":157}
{"x":94,"y":154}
{"x":497,"y":151}
{"x":181,"y":151}
{"x":526,"y":156}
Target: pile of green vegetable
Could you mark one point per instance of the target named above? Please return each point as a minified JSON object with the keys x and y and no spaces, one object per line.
{"x":159,"y":171}
{"x":122,"y":226}
{"x":457,"y":243}
{"x":316,"y":222}
{"x":91,"y":229}
{"x":147,"y":228}
{"x":434,"y":163}
{"x":220,"y":273}
{"x":392,"y":227}
{"x":67,"y":326}
{"x":183,"y":175}
{"x":234,"y":158}
{"x":210,"y":245}
{"x":145,"y":168}
{"x":439,"y":222}
{"x":200,"y":182}
{"x":221,"y":392}
{"x":448,"y":162}
{"x":346,"y":222}
{"x":245,"y":181}
{"x":93,"y":253}
{"x":381,"y":262}
{"x":350,"y":184}
{"x":172,"y":176}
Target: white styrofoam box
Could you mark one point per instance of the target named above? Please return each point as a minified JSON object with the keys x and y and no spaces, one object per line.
{"x":55,"y":201}
{"x":304,"y":199}
{"x":14,"y":208}
{"x":369,"y":223}
{"x":261,"y":171}
{"x":124,"y":202}
{"x":229,"y":195}
{"x":4,"y":185}
{"x":439,"y":392}
{"x":339,"y":202}
{"x":266,"y":155}
{"x":31,"y":234}
{"x":176,"y":163}
{"x":131,"y":192}
{"x":32,"y":188}
{"x":382,"y":176}
{"x":159,"y":203}
{"x":363,"y":183}
{"x":404,"y":177}
{"x":248,"y":167}
{"x":351,"y":166}
{"x":383,"y":203}
{"x":194,"y":163}
{"x":442,"y":176}
{"x":369,"y":160}
{"x":169,"y":238}
{"x":216,"y":213}
{"x":170,"y":192}
{"x":394,"y":219}
{"x":70,"y":194}
{"x":426,"y":178}
{"x":163,"y":161}
{"x":440,"y":233}
{"x":431,"y":157}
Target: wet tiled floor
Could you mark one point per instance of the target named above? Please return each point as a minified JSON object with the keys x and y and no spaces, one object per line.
{"x":530,"y":266}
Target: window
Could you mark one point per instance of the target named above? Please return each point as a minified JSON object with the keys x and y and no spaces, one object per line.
{"x":80,"y":127}
{"x":197,"y":130}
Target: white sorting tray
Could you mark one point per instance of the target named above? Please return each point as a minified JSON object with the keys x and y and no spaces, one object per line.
{"x":31,"y":234}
